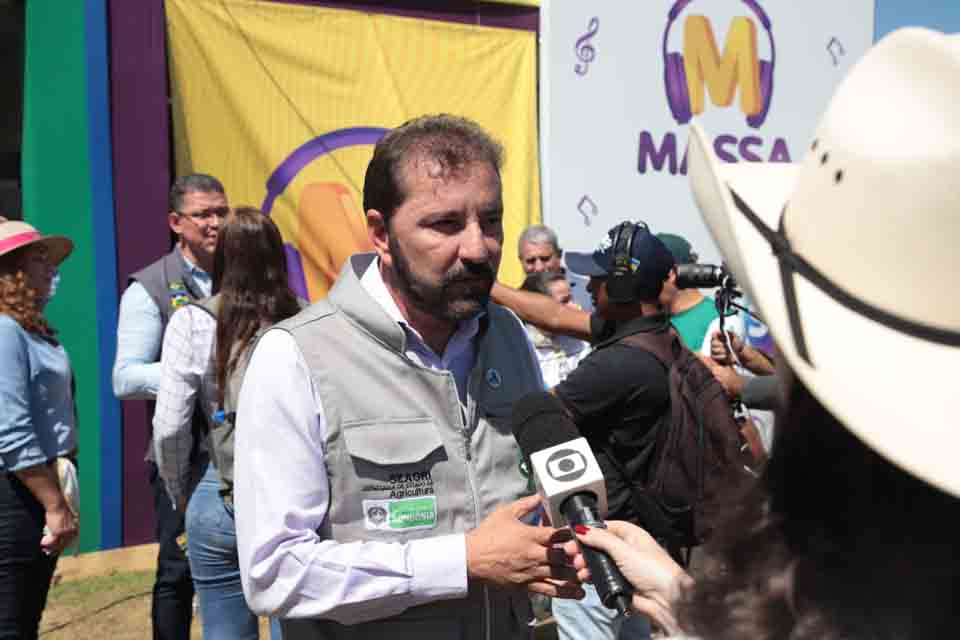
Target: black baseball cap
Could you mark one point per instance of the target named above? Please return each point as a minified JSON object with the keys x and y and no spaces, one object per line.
{"x":649,"y":255}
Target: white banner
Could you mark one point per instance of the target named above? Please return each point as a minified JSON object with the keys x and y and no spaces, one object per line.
{"x":620,"y":80}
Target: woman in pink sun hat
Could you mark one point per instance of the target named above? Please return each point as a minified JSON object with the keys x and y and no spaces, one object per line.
{"x":38,"y":440}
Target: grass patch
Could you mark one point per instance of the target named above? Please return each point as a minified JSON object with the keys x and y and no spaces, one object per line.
{"x":114,"y":606}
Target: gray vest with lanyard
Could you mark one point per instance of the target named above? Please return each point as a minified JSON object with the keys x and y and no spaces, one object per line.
{"x":170,"y":285}
{"x":405,"y":459}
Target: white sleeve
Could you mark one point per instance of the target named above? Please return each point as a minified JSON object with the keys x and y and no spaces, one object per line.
{"x":176,"y":402}
{"x":732,"y":324}
{"x":282,"y":495}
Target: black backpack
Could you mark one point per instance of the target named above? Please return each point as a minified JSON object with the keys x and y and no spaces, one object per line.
{"x":697,"y":444}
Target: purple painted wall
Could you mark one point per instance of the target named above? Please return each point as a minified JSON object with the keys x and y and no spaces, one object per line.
{"x":141,"y":166}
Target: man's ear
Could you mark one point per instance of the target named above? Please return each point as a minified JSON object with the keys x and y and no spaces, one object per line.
{"x":379,"y":235}
{"x":175,"y":221}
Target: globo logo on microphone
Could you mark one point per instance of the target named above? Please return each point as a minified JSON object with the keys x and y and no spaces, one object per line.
{"x":565,"y":469}
{"x":566,"y":465}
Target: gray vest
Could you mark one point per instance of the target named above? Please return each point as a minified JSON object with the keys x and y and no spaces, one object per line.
{"x":405,"y":458}
{"x":220,"y":439}
{"x":171,"y":286}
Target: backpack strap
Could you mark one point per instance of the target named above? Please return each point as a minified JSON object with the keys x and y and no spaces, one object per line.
{"x":211,"y":305}
{"x":664,"y":346}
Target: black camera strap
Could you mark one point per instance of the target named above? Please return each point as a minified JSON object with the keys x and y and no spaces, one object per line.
{"x":792,"y":264}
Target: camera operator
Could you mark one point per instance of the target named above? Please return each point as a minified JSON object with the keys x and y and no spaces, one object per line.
{"x":619,"y":394}
{"x":734,"y":362}
{"x":690,"y":311}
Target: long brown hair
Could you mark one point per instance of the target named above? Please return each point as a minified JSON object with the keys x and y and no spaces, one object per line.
{"x":250,"y":274}
{"x":17,"y":299}
{"x":834,"y":543}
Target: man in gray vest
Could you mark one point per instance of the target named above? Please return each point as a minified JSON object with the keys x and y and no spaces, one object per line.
{"x":376,"y":474}
{"x":197,"y":207}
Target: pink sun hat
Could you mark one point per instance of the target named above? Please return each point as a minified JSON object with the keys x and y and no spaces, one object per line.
{"x":16,"y":235}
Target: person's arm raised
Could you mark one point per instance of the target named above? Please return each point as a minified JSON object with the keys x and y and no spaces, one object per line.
{"x":543,"y":311}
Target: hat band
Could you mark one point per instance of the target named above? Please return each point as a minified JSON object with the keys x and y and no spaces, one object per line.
{"x":791,"y":263}
{"x":18,"y":239}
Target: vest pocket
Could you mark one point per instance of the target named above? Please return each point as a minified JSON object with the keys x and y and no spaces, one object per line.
{"x":393,"y":485}
{"x":403,"y":441}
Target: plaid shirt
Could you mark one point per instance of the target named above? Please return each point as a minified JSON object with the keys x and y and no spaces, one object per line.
{"x":186,"y":377}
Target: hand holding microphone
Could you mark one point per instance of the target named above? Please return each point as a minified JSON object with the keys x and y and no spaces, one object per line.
{"x":504,"y":551}
{"x":655,"y":577}
{"x":571,"y":484}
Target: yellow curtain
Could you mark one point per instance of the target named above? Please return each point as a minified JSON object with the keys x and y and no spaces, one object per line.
{"x":296,"y":95}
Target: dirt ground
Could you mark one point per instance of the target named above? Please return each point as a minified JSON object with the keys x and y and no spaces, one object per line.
{"x":117,"y":607}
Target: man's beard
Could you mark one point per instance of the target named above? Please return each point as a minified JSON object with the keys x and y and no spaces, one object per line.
{"x":463,"y":292}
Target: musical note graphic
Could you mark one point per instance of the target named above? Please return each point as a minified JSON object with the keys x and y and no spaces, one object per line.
{"x":835,"y":48}
{"x":587,"y":206}
{"x":584,"y":50}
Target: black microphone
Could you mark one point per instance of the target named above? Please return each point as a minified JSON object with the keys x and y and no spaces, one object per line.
{"x":568,"y":477}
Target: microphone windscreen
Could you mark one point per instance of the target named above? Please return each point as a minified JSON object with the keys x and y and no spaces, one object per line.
{"x":540,"y":421}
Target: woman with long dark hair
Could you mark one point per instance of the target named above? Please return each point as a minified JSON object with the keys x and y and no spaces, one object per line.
{"x":851,"y":533}
{"x":205,"y":349}
{"x":37,"y":428}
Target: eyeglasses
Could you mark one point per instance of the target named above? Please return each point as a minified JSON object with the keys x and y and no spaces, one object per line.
{"x":206,"y":216}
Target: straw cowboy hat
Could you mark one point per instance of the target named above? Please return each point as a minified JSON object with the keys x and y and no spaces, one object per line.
{"x":16,"y":235}
{"x":852,"y":256}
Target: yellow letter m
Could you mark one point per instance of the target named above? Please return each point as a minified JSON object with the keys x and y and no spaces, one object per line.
{"x":721,"y":75}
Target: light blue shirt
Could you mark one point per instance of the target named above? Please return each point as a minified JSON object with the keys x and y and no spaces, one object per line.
{"x":136,"y":371}
{"x":37,"y":419}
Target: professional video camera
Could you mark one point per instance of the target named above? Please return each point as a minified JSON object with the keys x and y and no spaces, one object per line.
{"x":709,"y":276}
{"x":704,"y":276}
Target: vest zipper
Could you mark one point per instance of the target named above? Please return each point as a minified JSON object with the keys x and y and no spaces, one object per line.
{"x":469,"y":428}
{"x":486,"y":612}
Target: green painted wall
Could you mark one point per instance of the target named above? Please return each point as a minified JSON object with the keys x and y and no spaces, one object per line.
{"x":57,"y":198}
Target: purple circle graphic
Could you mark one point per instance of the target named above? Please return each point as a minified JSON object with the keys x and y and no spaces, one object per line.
{"x":310,"y":151}
{"x":292,"y":165}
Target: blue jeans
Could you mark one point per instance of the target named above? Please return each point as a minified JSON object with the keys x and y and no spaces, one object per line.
{"x":588,"y":618}
{"x":212,"y":551}
{"x":25,"y":571}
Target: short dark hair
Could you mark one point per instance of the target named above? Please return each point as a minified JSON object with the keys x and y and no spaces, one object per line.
{"x":192,"y":182}
{"x":540,"y":282}
{"x":452,"y":141}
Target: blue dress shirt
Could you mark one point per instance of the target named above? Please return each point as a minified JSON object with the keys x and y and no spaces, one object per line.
{"x":37,"y":419}
{"x":136,"y":371}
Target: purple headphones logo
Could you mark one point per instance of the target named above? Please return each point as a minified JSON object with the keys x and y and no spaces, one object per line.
{"x":302,"y":156}
{"x":702,"y":69}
